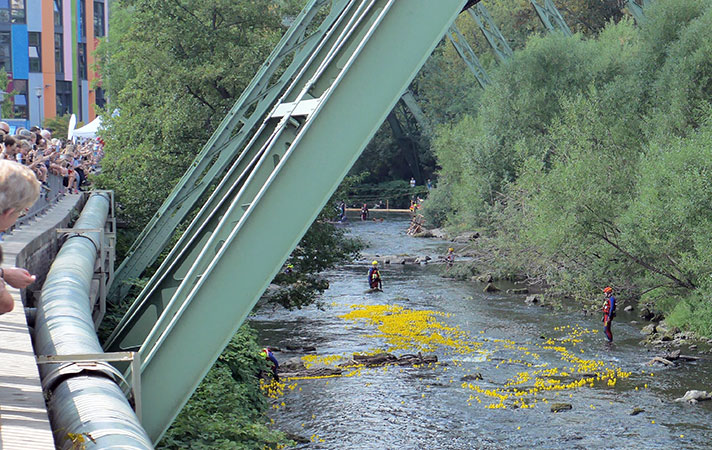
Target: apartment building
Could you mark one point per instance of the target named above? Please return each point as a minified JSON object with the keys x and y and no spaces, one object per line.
{"x":47,"y":49}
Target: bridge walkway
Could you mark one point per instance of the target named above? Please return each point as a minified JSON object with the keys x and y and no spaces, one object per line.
{"x":24,"y":423}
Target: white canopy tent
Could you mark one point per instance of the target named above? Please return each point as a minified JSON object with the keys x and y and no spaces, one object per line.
{"x":87,"y":131}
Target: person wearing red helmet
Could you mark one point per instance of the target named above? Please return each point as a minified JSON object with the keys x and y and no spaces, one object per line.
{"x":609,"y":312}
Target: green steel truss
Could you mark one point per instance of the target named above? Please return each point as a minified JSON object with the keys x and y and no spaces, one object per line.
{"x":636,"y":9}
{"x":287,"y":171}
{"x":410,"y":103}
{"x":494,"y":37}
{"x":468,"y":55}
{"x":224,"y":145}
{"x":550,"y":17}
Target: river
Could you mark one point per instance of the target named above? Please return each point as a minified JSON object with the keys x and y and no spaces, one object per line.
{"x":529,"y":358}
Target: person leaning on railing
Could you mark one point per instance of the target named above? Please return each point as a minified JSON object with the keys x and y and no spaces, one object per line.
{"x":19,"y":189}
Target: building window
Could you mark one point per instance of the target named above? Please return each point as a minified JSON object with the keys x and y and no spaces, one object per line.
{"x":12,"y":11}
{"x":5,"y":55}
{"x":57,"y":13}
{"x":99,"y":30}
{"x":82,"y":19}
{"x":64,"y":97}
{"x":82,"y":58}
{"x":58,"y":53}
{"x":20,"y":106}
{"x":100,"y":98}
{"x":35,"y":51}
{"x":17,"y":11}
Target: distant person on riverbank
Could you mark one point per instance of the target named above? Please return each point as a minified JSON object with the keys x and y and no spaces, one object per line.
{"x":609,"y":311}
{"x":429,"y":184}
{"x":342,"y":211}
{"x":269,"y":356}
{"x":364,"y":212}
{"x":412,"y":182}
{"x":374,"y":277}
{"x":19,"y":189}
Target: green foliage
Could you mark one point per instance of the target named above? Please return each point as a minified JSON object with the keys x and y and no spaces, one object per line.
{"x":173,"y":93}
{"x":227,"y":409}
{"x":60,"y":125}
{"x":588,"y":162}
{"x":684,"y":88}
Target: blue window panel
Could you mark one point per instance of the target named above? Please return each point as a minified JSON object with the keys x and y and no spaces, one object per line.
{"x":20,"y":100}
{"x":4,"y":3}
{"x":20,"y":55}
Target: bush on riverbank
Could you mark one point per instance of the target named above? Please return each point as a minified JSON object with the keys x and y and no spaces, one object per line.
{"x":227,"y":409}
{"x":588,"y":162}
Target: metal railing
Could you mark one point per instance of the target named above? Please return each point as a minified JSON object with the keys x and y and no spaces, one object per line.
{"x":51,"y":192}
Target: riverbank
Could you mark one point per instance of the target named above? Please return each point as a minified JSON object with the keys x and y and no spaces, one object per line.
{"x":481,"y":259}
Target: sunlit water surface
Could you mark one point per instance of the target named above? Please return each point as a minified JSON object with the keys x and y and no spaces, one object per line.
{"x":429,"y":408}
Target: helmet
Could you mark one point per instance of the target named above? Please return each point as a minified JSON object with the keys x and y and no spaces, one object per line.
{"x":607,"y":290}
{"x":451,"y":249}
{"x":291,"y":266}
{"x":375,"y":263}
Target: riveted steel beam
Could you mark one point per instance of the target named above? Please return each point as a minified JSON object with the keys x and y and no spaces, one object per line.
{"x":550,"y":17}
{"x":635,"y":7}
{"x":359,"y":77}
{"x":489,"y":29}
{"x":155,"y":299}
{"x":468,"y":55}
{"x":221,"y":149}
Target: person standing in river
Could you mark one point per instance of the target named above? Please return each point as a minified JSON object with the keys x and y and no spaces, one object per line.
{"x":450,"y":258}
{"x":609,"y":312}
{"x":374,"y":277}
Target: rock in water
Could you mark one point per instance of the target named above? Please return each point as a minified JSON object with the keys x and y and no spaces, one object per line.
{"x":531,"y":299}
{"x":471,"y":377}
{"x":518,"y":291}
{"x":694,"y":396}
{"x":636,"y":411}
{"x":558,"y":407}
{"x":648,"y":329}
{"x":628,"y":308}
{"x":491,"y":288}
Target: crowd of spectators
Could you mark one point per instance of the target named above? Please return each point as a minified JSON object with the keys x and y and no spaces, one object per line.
{"x":36,"y":149}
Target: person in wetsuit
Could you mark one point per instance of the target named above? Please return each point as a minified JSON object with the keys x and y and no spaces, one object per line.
{"x":609,"y":312}
{"x":267,"y":354}
{"x":450,"y":257}
{"x":374,"y":277}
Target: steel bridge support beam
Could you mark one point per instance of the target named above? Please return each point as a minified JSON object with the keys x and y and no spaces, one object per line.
{"x":494,"y":37}
{"x":221,"y":149}
{"x":550,"y":17}
{"x":335,"y":108}
{"x":636,"y":8}
{"x":155,"y":301}
{"x":468,"y":55}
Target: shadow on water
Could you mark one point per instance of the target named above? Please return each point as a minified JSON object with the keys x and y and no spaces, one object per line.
{"x":432,"y":408}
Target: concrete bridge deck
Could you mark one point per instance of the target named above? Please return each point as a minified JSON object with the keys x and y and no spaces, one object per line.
{"x":23,"y":415}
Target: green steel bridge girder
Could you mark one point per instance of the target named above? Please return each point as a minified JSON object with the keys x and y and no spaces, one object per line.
{"x":636,"y":8}
{"x":222,"y":148}
{"x":141,"y":324}
{"x":550,"y":17}
{"x":355,"y":89}
{"x":468,"y":55}
{"x":491,"y":32}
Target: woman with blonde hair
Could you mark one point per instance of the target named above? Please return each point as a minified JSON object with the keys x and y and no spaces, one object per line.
{"x":19,"y":190}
